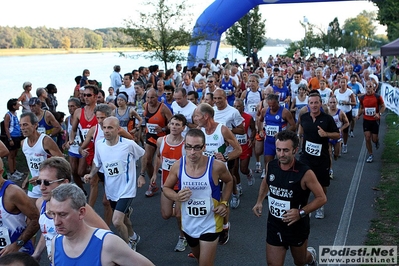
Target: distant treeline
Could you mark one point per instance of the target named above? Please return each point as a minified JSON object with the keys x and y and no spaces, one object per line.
{"x":42,"y":37}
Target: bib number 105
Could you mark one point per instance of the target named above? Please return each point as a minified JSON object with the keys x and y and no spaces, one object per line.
{"x":196,"y":211}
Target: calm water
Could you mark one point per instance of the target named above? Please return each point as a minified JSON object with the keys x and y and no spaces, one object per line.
{"x":62,"y":69}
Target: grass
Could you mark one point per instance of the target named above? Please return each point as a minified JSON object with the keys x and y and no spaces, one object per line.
{"x":384,"y":229}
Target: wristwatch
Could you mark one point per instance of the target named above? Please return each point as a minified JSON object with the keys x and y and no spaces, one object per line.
{"x":302,"y":213}
{"x":225,"y":202}
{"x":226,"y":158}
{"x":20,"y":243}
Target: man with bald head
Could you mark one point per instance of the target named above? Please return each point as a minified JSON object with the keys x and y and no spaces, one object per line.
{"x":117,"y":156}
{"x":157,"y":116}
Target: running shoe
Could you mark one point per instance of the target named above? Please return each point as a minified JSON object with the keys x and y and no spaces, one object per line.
{"x":351,"y":134}
{"x":15,"y":177}
{"x":133,"y":242}
{"x":377,"y":145}
{"x":319,"y":213}
{"x":263,"y":175}
{"x":239,"y":189}
{"x":224,"y":235}
{"x":312,"y":252}
{"x":18,"y":173}
{"x":258,"y":167}
{"x":344,"y":148}
{"x":370,"y":158}
{"x":235,"y":201}
{"x":181,"y":245}
{"x":250,"y":178}
{"x":152,"y":188}
{"x":331,"y":174}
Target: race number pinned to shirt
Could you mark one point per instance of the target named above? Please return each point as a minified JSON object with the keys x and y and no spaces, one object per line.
{"x":198,"y":207}
{"x":4,"y":237}
{"x":151,"y":128}
{"x":41,"y":130}
{"x":34,"y":162}
{"x":370,"y":111}
{"x":167,"y":163}
{"x":113,"y":169}
{"x":242,"y":139}
{"x":271,"y":130}
{"x":313,"y":148}
{"x":278,"y":207}
{"x":282,"y":104}
{"x":252,"y":107}
{"x":84,"y":132}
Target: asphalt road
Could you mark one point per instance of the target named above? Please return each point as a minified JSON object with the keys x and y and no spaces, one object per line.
{"x":347,"y":214}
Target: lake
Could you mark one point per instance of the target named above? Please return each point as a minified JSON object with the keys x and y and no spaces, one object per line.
{"x":61,"y":70}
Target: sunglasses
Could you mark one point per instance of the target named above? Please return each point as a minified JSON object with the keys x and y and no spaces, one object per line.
{"x":48,"y":183}
{"x":210,"y":81}
{"x":196,"y":148}
{"x":87,"y":94}
{"x":168,"y":93}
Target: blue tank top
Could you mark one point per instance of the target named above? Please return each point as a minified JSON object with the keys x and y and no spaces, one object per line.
{"x":90,"y":256}
{"x":12,"y":225}
{"x":274,"y":123}
{"x":228,"y":86}
{"x":14,"y":128}
{"x":43,"y":127}
{"x":123,"y":119}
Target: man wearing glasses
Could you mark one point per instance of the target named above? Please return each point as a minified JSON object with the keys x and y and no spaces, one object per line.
{"x":37,"y":148}
{"x":203,"y":204}
{"x":52,"y":173}
{"x":15,"y":206}
{"x":85,"y":118}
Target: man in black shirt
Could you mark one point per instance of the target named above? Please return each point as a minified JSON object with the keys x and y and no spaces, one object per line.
{"x":288,"y":184}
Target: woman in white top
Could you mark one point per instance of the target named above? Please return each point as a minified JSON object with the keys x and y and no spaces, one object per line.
{"x":25,"y":96}
{"x":346,"y":99}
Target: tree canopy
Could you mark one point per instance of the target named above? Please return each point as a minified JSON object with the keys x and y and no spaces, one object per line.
{"x":247,"y":33}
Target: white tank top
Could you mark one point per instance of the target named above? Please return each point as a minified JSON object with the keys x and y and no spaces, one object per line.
{"x":34,"y":157}
{"x":197,"y":213}
{"x":251,"y":102}
{"x":47,"y":227}
{"x":74,"y":148}
{"x":214,"y":142}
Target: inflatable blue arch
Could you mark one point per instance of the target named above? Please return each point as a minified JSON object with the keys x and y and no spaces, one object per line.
{"x":220,"y":16}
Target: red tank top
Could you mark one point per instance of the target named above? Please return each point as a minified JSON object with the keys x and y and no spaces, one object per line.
{"x":169,"y":155}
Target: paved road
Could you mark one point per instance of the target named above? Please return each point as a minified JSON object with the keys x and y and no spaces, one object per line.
{"x":348,"y":213}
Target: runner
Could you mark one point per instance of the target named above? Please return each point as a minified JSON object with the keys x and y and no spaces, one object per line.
{"x":183,"y":106}
{"x":15,"y":207}
{"x":54,"y":172}
{"x":203,"y":207}
{"x":77,"y":242}
{"x":156,"y":116}
{"x":170,"y":148}
{"x":118,"y":157}
{"x":372,"y":106}
{"x":317,"y":128}
{"x":288,"y":219}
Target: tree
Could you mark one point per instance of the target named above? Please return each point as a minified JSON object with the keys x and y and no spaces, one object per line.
{"x":94,"y":41}
{"x":361,"y":25}
{"x":66,"y":43}
{"x":23,"y":40}
{"x":388,"y":15}
{"x":248,"y":32}
{"x":162,"y":31}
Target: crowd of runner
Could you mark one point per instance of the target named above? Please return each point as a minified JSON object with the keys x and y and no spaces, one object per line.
{"x":186,"y":125}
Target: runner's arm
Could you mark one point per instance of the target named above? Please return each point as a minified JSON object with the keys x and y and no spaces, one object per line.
{"x":157,"y":161}
{"x":310,"y":181}
{"x":263,"y":191}
{"x":54,"y":123}
{"x":74,"y":123}
{"x":287,"y":115}
{"x":171,"y":181}
{"x":231,"y":139}
{"x":52,"y":148}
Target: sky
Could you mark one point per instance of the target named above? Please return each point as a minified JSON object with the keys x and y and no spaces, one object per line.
{"x":282,"y":20}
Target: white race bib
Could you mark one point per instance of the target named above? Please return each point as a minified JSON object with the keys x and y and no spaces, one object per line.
{"x":113,"y":169}
{"x":41,"y":130}
{"x":198,"y":207}
{"x":252,"y":107}
{"x":282,"y":104}
{"x":313,"y":148}
{"x":84,"y":132}
{"x":271,"y":130}
{"x":4,"y":237}
{"x":370,"y":111}
{"x":278,"y":207}
{"x":227,"y":92}
{"x":34,"y":162}
{"x":167,"y":163}
{"x":242,"y":139}
{"x":151,"y":128}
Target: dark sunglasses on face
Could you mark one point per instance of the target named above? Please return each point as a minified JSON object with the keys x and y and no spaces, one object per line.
{"x":48,"y":183}
{"x":87,"y":95}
